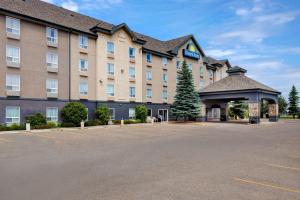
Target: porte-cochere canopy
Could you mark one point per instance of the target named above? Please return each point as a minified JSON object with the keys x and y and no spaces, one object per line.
{"x":237,"y":86}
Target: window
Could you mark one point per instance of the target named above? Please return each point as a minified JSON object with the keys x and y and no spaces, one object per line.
{"x":83,"y":42}
{"x":110,"y":90}
{"x":202,"y":83}
{"x":110,"y":47}
{"x":177,"y":78}
{"x":132,"y":92}
{"x":190,"y":66}
{"x":178,"y":64}
{"x":221,"y":74}
{"x":13,"y":82}
{"x":12,"y":115}
{"x":112,"y":113}
{"x":201,"y":70}
{"x":149,"y":75}
{"x":148,"y":57}
{"x":83,"y":65}
{"x":165,"y":95}
{"x":164,"y":61}
{"x":149,"y":112}
{"x":110,"y":69}
{"x":52,"y":35}
{"x":87,"y":114}
{"x":210,"y":73}
{"x":131,"y":113}
{"x":83,"y":88}
{"x":13,"y":25}
{"x":149,"y":93}
{"x":52,"y":86}
{"x":131,"y":52}
{"x":52,"y":60}
{"x":12,"y":54}
{"x":52,"y":114}
{"x":165,"y":77}
{"x":131,"y":72}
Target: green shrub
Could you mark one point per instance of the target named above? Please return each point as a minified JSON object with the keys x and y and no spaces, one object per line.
{"x":298,"y":114}
{"x":36,"y":120}
{"x":73,"y":113}
{"x":102,"y":114}
{"x":12,"y":127}
{"x":132,"y":121}
{"x":52,"y":124}
{"x":141,"y":113}
{"x":116,"y":121}
{"x":92,"y":123}
{"x":67,"y":124}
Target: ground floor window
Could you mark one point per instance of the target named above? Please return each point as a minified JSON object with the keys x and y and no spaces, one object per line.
{"x":12,"y":115}
{"x":131,"y":113}
{"x":52,"y":114}
{"x":112,"y":113}
{"x":149,"y":111}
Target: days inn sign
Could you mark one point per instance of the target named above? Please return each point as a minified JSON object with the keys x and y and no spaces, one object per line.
{"x":191,"y":52}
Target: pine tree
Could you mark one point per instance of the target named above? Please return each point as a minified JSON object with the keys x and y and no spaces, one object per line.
{"x":293,"y":101}
{"x":186,"y":104}
{"x":238,"y":109}
{"x":282,"y":105}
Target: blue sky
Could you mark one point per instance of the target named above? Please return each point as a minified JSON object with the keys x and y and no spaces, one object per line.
{"x":262,"y":36}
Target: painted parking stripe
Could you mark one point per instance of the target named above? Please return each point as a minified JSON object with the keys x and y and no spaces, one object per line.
{"x":267,"y":185}
{"x":284,"y":167}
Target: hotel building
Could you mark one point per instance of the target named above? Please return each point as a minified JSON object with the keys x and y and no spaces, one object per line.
{"x":51,"y":56}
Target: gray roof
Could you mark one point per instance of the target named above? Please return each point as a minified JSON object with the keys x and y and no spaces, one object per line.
{"x":236,"y":82}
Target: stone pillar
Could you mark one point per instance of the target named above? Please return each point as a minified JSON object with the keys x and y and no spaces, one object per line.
{"x":254,"y":112}
{"x":273,"y":112}
{"x":203,"y":116}
{"x":227,"y":111}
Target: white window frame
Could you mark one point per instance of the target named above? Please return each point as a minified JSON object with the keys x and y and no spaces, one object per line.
{"x":113,"y":116}
{"x":201,"y":70}
{"x":148,"y":57}
{"x":10,"y":85}
{"x":83,"y":41}
{"x":131,"y":113}
{"x":49,"y":89}
{"x":149,"y":75}
{"x":108,"y":92}
{"x":85,"y":66}
{"x":52,"y":60}
{"x":133,"y":52}
{"x":52,"y":118}
{"x":12,"y":58}
{"x":178,"y":64}
{"x":130,"y":70}
{"x":165,"y":77}
{"x":13,"y":25}
{"x":132,"y":95}
{"x":164,"y":61}
{"x":14,"y":119}
{"x":86,"y":87}
{"x":165,"y":97}
{"x":202,"y":83}
{"x":111,"y":51}
{"x":147,"y":94}
{"x":109,"y":67}
{"x":52,"y":39}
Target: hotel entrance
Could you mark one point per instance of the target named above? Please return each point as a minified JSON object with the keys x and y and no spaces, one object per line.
{"x":163,"y":115}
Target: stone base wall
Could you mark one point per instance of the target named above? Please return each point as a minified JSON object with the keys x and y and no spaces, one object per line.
{"x":254,"y":120}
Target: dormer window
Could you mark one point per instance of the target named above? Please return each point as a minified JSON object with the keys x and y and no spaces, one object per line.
{"x":148,"y":57}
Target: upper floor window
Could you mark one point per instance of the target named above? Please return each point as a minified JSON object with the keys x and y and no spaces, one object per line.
{"x":131,"y":113}
{"x":110,"y":47}
{"x":210,"y":73}
{"x":131,"y":52}
{"x":149,"y":93}
{"x":83,"y":41}
{"x":52,"y":114}
{"x":165,"y":95}
{"x":164,"y":61}
{"x":132,"y":92}
{"x":165,"y":77}
{"x":12,"y":54}
{"x":12,"y":25}
{"x":13,"y":82}
{"x":131,"y":72}
{"x":83,"y":88}
{"x":51,"y":35}
{"x":112,"y":113}
{"x":52,"y":60}
{"x":52,"y":86}
{"x":190,"y":66}
{"x":110,"y":90}
{"x":148,"y":57}
{"x":149,"y":75}
{"x":12,"y":115}
{"x":202,"y":83}
{"x":221,"y":74}
{"x":110,"y":69}
{"x":201,"y":70}
{"x":178,"y":64}
{"x":83,"y":65}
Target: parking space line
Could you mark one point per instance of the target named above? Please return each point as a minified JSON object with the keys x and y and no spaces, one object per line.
{"x":267,"y":185}
{"x":284,"y":167}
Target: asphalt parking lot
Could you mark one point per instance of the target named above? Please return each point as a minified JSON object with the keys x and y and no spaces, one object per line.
{"x":160,"y":162}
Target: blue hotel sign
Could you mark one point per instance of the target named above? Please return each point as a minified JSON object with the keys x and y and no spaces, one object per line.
{"x":191,"y":54}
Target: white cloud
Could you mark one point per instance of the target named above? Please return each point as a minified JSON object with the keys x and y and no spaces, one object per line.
{"x":290,"y":50}
{"x":276,"y":18}
{"x":49,"y":1}
{"x":70,"y":5}
{"x":99,"y":4}
{"x":219,"y":52}
{"x":257,"y":7}
{"x":246,"y":35}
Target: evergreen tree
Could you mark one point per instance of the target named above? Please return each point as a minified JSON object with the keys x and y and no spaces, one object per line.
{"x":293,"y":101}
{"x":186,"y":104}
{"x":238,"y":109}
{"x":282,"y":105}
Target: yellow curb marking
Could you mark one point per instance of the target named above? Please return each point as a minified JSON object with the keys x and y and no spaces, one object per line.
{"x":284,"y":167}
{"x":267,"y":185}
